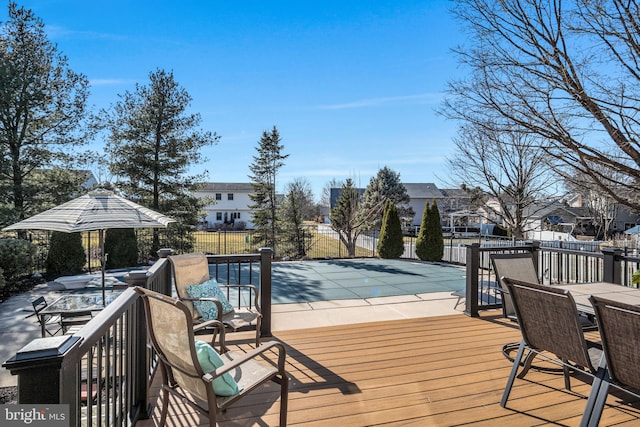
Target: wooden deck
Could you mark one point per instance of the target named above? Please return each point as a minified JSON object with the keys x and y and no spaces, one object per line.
{"x":434,"y":371}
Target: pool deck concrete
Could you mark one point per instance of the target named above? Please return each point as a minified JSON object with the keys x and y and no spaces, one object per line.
{"x":357,"y":285}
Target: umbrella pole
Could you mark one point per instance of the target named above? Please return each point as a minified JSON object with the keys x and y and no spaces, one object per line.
{"x":102,"y":261}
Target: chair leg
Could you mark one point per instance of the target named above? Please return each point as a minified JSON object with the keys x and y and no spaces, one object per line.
{"x":165,"y":393}
{"x":528,"y":362}
{"x":566,"y":372}
{"x":258,"y":326}
{"x":601,"y":398}
{"x":284,"y":400}
{"x":512,"y":376}
{"x":595,"y":402}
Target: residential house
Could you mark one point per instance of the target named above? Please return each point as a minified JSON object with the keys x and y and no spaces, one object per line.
{"x":228,"y":205}
{"x":624,"y":216}
{"x":557,"y":221}
{"x":448,"y":201}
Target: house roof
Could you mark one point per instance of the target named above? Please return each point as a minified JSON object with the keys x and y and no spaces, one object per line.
{"x":455,"y":193}
{"x":227,"y":187}
{"x":556,"y":209}
{"x":423,"y":191}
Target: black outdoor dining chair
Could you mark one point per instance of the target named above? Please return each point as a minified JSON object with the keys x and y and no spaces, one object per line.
{"x":519,"y":266}
{"x":46,"y":321}
{"x":619,"y":324}
{"x":550,"y":327}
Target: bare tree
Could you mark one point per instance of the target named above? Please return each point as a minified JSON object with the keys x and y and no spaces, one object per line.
{"x":325,"y":198}
{"x":601,"y":206}
{"x":344,"y":216}
{"x":509,"y":168}
{"x":567,"y":72}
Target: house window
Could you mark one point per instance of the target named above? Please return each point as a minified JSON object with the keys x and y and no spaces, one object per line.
{"x":218,"y":216}
{"x":230,"y":196}
{"x":218,"y":196}
{"x":235,"y":215}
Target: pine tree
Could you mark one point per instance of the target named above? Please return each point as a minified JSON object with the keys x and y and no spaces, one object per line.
{"x":390,"y":242}
{"x":296,"y":208}
{"x":153,"y":143}
{"x":264,"y":169}
{"x":43,"y":108}
{"x":386,"y":185}
{"x":421,"y":240}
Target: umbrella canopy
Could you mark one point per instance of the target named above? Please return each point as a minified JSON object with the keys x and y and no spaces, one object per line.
{"x":633,"y":230}
{"x":97,"y":210}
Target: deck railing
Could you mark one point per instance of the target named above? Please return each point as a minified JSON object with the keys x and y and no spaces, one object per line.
{"x":554,"y":265}
{"x":102,"y":371}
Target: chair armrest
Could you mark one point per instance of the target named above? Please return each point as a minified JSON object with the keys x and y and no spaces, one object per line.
{"x":221,"y":332}
{"x":252,"y":289}
{"x":210,"y":376}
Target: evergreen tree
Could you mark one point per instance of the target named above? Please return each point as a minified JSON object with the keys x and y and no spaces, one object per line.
{"x":264,"y":169}
{"x":386,"y":185}
{"x":297,"y":207}
{"x":390,"y":242}
{"x":66,"y":254}
{"x":421,"y":241}
{"x":121,"y":245}
{"x":434,"y":239}
{"x":344,"y":216}
{"x":42,"y":105}
{"x":153,"y":142}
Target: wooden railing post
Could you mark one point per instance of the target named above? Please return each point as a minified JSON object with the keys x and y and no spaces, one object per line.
{"x":611,"y":265}
{"x":471,"y":291}
{"x":38,"y":366}
{"x":164,"y":253}
{"x":140,"y":361}
{"x":266,"y":255}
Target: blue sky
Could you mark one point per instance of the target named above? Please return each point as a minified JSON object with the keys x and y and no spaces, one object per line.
{"x":352,"y":86}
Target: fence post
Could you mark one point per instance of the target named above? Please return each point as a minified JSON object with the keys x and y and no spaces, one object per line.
{"x":265,"y":290}
{"x":141,"y":361}
{"x":611,"y":265}
{"x":39,"y":366}
{"x":471,"y":291}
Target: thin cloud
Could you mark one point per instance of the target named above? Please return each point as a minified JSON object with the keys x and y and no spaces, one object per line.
{"x":55,"y":31}
{"x":423,"y":98}
{"x":111,"y":82}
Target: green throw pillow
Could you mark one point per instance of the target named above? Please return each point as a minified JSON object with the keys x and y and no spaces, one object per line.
{"x":210,"y":360}
{"x":208,"y":309}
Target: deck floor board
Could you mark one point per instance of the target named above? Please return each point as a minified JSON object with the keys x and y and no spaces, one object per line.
{"x":432,"y":371}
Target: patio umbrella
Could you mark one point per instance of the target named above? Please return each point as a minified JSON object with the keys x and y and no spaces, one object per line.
{"x":97,"y":210}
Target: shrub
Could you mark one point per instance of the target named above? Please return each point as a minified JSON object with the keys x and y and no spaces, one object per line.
{"x":2,"y":281}
{"x":421,"y":240}
{"x":430,"y":243}
{"x":121,"y":245}
{"x":390,"y":242}
{"x":66,"y":255}
{"x":435,"y":240}
{"x":16,"y":258}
